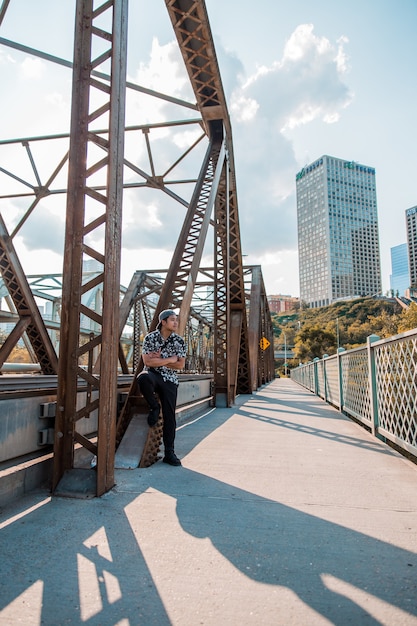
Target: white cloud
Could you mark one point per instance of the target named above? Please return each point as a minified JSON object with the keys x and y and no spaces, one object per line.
{"x":32,"y":69}
{"x":163,"y":72}
{"x":301,"y":41}
{"x":186,"y":138}
{"x":6,"y":58}
{"x":43,"y":231}
{"x":342,"y":59}
{"x":244,"y":109}
{"x":58,"y":101}
{"x":305,"y":85}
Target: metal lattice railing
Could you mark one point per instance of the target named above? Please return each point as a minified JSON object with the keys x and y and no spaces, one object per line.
{"x":332,"y":381}
{"x":355,"y":388}
{"x":321,"y":379}
{"x":396,"y":376}
{"x":376,"y":384}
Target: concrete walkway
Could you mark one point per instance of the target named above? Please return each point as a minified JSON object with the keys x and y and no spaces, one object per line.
{"x":284,"y":513}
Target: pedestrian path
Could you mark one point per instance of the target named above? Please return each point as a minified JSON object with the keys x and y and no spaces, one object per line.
{"x":285,"y":512}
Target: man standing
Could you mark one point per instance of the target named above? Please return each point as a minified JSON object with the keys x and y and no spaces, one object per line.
{"x":163,"y":354}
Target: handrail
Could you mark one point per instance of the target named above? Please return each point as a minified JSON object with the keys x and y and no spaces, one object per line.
{"x":375,"y":384}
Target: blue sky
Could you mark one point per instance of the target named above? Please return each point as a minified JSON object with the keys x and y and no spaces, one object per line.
{"x":302,"y":79}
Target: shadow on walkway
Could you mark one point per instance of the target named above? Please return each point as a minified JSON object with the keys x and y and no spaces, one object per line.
{"x":131,"y":557}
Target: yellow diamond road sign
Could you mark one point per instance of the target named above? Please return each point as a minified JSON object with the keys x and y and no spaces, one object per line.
{"x":264,"y":343}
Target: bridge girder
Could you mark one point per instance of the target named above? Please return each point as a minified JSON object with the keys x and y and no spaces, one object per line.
{"x":94,"y":195}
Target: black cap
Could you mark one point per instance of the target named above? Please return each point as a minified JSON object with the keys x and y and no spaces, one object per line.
{"x":164,"y":315}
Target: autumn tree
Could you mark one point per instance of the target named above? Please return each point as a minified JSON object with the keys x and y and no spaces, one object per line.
{"x":314,"y":341}
{"x":408,"y":318}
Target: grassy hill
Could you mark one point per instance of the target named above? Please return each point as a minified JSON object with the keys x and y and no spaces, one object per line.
{"x":314,"y":332}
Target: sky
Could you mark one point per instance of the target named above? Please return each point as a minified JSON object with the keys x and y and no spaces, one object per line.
{"x":301,"y":79}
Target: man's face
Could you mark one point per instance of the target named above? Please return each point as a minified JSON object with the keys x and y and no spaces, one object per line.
{"x":171,"y":323}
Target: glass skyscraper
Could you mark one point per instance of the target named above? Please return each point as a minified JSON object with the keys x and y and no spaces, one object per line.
{"x":400,"y":276}
{"x":338,"y":243}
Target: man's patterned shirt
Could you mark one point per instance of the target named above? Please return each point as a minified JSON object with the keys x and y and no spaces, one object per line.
{"x":174,"y":345}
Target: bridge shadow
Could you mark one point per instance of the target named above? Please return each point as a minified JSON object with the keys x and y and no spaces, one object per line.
{"x":84,"y":561}
{"x":76,"y":562}
{"x":280,"y":409}
{"x":317,"y":560}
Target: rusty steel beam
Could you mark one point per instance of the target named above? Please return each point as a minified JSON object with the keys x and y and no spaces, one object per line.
{"x":237,"y":293}
{"x":191,"y":26}
{"x":181,"y":278}
{"x":255,"y":325}
{"x":25,"y":305}
{"x":260,"y":329}
{"x":3,"y":9}
{"x":222,"y":295}
{"x":103,"y":216}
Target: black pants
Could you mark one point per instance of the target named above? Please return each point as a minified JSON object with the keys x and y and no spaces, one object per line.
{"x":151,"y":382}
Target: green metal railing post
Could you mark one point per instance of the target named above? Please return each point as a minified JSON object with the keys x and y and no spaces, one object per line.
{"x":340,"y":377}
{"x":316,"y":377}
{"x":324,"y":375}
{"x":372,"y":383}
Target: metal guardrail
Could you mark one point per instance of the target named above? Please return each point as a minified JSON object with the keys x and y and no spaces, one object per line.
{"x":375,"y":384}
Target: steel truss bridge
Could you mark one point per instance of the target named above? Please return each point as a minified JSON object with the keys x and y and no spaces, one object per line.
{"x":223,"y":310}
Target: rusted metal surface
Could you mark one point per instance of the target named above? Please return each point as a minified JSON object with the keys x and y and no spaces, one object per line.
{"x":30,"y":319}
{"x":3,"y":9}
{"x":222,"y":293}
{"x":191,"y":26}
{"x":181,"y":278}
{"x":152,"y":445}
{"x":260,"y":328}
{"x":107,"y":204}
{"x":96,"y":161}
{"x":192,"y":29}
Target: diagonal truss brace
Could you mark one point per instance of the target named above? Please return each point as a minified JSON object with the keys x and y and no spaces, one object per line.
{"x":31,"y":321}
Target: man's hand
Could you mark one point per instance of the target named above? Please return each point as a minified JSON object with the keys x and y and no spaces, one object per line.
{"x":154,"y":359}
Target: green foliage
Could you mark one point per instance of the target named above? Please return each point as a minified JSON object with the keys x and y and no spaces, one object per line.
{"x":314,"y":332}
{"x":314,"y":341}
{"x":408,"y":319}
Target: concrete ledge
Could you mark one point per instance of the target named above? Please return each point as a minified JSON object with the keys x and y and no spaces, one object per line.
{"x":190,"y":410}
{"x":23,"y":476}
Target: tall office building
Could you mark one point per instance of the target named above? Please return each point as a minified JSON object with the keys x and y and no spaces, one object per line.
{"x":400,"y":274}
{"x":338,"y":243}
{"x":411,"y":221}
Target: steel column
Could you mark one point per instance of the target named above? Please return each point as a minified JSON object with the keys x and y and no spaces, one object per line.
{"x":93,"y":156}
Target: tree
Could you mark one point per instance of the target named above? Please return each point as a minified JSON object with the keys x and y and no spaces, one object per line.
{"x":351,"y":320}
{"x":408,"y":318}
{"x":314,"y":341}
